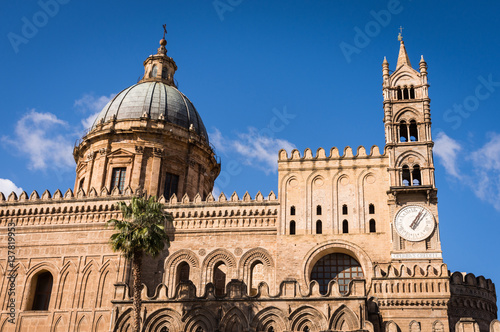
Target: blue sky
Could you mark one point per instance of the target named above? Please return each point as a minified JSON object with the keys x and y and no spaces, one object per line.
{"x":247,"y":65}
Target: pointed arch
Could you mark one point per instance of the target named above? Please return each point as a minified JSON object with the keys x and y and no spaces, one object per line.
{"x":66,"y":286}
{"x":83,"y":324}
{"x":214,"y":259}
{"x":247,"y":264}
{"x":163,"y":318}
{"x":87,"y":295}
{"x":270,"y":317}
{"x":30,"y":287}
{"x":234,"y":321}
{"x":172,"y":268}
{"x":307,"y":316}
{"x":344,"y":319}
{"x":199,"y":317}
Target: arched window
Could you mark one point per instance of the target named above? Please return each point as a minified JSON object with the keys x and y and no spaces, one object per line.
{"x":400,"y":94}
{"x":373,"y":226}
{"x":164,"y":329}
{"x":339,"y":267}
{"x":270,"y":329}
{"x":413,"y":131}
{"x":345,"y":226}
{"x":319,"y":227}
{"x":412,"y":93}
{"x":256,"y":276}
{"x":182,"y":272}
{"x":344,"y":209}
{"x":417,"y":181}
{"x":405,"y":93}
{"x":406,"y":179}
{"x":199,"y":329}
{"x":306,"y":329}
{"x":164,"y":73}
{"x":403,"y":132}
{"x":371,"y":209}
{"x":154,"y":71}
{"x":292,"y":210}
{"x":318,"y":210}
{"x":220,"y":272}
{"x":292,"y":227}
{"x":43,"y":290}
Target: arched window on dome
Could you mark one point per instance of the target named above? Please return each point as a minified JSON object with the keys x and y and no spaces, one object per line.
{"x":292,"y":227}
{"x":403,"y":132}
{"x":417,"y":181}
{"x":171,"y":185}
{"x":339,"y":267}
{"x":319,"y":227}
{"x":118,"y":178}
{"x":183,"y":270}
{"x":373,"y":226}
{"x":413,"y":131}
{"x":405,"y":176}
{"x":164,"y":73}
{"x":154,"y":72}
{"x":43,"y":290}
{"x":318,"y":210}
{"x":345,"y":227}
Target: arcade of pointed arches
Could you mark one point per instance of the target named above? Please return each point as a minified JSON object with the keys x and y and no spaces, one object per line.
{"x":335,"y":261}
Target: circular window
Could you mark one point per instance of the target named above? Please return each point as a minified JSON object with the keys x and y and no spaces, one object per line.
{"x":339,"y":267}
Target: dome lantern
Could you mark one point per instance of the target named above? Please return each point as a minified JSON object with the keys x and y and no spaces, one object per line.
{"x":160,"y":67}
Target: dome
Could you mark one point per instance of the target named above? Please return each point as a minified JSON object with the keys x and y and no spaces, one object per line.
{"x":156,"y":99}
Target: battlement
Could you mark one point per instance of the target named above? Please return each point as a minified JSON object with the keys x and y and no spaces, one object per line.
{"x":99,"y":207}
{"x":334,"y":154}
{"x":473,"y":297}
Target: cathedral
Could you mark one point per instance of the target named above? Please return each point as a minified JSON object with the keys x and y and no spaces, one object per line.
{"x":350,"y":242}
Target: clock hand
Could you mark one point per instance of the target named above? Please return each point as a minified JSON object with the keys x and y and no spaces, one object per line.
{"x":414,"y":224}
{"x":417,"y":220}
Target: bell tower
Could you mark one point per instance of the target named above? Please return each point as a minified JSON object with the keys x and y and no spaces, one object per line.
{"x":412,"y":193}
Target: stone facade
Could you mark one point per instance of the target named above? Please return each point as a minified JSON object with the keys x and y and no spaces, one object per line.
{"x":331,"y":252}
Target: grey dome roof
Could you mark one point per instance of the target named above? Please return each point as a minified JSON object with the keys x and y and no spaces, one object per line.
{"x":153,"y":98}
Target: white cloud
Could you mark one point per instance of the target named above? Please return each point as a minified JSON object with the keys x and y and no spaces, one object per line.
{"x":252,"y":148}
{"x":480,"y":171}
{"x":486,"y":164}
{"x":7,"y":186}
{"x":446,"y":149}
{"x":93,"y":104}
{"x":38,"y":136}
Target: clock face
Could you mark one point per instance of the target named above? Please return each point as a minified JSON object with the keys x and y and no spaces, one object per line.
{"x":414,"y":223}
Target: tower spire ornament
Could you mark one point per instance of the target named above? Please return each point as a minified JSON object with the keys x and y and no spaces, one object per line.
{"x":400,"y":35}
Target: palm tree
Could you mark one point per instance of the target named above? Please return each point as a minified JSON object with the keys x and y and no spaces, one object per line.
{"x":142,"y":231}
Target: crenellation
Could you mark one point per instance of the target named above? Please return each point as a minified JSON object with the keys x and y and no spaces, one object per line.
{"x":334,"y":154}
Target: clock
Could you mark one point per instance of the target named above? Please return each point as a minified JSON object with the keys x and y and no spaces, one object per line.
{"x":414,"y":223}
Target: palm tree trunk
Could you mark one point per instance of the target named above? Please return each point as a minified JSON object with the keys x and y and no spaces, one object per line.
{"x":137,"y":301}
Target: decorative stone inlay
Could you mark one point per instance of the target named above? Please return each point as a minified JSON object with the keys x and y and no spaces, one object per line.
{"x":238,"y":251}
{"x":202,"y":252}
